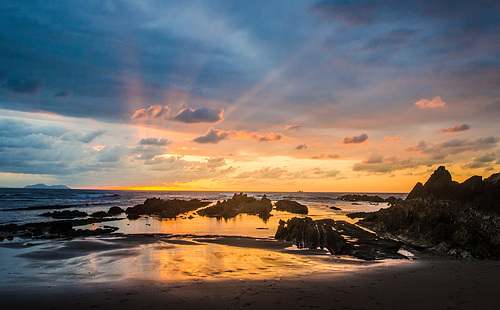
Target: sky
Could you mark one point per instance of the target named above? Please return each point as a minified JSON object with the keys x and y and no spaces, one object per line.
{"x":367,"y":96}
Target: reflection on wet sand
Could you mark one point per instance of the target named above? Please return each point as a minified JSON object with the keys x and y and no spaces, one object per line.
{"x":166,"y":258}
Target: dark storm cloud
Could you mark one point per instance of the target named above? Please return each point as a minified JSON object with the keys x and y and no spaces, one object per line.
{"x":29,"y":86}
{"x":354,"y":139}
{"x":200,"y":115}
{"x":213,"y":136}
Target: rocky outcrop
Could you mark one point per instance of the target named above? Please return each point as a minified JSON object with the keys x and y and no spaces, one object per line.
{"x":291,"y":206}
{"x":484,"y":195}
{"x":357,"y":197}
{"x":165,"y":208}
{"x":66,"y":214}
{"x":239,"y":203}
{"x":115,"y":211}
{"x":460,"y":219}
{"x":329,"y":234}
{"x":306,"y":233}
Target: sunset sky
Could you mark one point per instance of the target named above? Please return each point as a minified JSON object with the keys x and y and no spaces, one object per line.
{"x":248,"y":95}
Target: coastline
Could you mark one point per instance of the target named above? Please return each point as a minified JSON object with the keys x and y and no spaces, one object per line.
{"x":236,"y":273}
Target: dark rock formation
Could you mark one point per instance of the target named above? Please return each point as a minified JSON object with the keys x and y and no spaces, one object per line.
{"x":327,"y":233}
{"x":446,"y":226}
{"x":115,"y":211}
{"x":239,"y":203}
{"x":356,"y":197}
{"x":291,"y":206}
{"x":460,"y":219}
{"x":99,"y":214}
{"x":165,"y":208}
{"x":306,"y":233}
{"x":335,"y":208}
{"x":358,"y":215}
{"x":481,"y":194}
{"x":66,"y":214}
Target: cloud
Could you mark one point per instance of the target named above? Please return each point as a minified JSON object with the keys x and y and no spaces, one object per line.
{"x":456,"y":128}
{"x":263,"y":173}
{"x":29,"y":86}
{"x":354,"y":139}
{"x":88,"y":137}
{"x":200,"y":115}
{"x":436,"y":102}
{"x":301,"y":146}
{"x":454,"y":146}
{"x":389,"y":142}
{"x":63,"y":94}
{"x":483,"y":161}
{"x":293,"y":127}
{"x":394,"y":38}
{"x":154,"y":141}
{"x":380,"y":164}
{"x":374,"y":158}
{"x":213,"y":136}
{"x":326,"y":156}
{"x":155,"y":111}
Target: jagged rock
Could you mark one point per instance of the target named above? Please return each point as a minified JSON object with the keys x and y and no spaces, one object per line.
{"x":165,"y":208}
{"x":239,"y":203}
{"x":66,"y":214}
{"x":489,"y":200}
{"x":484,"y":195}
{"x":115,"y":211}
{"x":291,"y":206}
{"x":445,"y":225}
{"x":441,"y":186}
{"x":306,"y":233}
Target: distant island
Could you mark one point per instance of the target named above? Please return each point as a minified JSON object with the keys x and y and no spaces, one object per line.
{"x":43,"y":186}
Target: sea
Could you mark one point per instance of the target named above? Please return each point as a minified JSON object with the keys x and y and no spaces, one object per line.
{"x":17,"y":207}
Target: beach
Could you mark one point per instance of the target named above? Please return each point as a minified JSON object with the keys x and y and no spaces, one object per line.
{"x":159,"y":271}
{"x":198,"y":262}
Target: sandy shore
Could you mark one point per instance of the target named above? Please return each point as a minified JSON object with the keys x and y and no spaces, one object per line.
{"x":138,"y":272}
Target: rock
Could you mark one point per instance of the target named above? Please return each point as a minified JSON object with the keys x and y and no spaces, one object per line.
{"x":115,"y":210}
{"x":1,"y":239}
{"x":306,"y":233}
{"x":335,"y":208}
{"x":239,"y":203}
{"x":60,"y":227}
{"x":133,"y":216}
{"x":10,"y":237}
{"x":439,"y":186}
{"x":291,"y":206}
{"x":354,"y":215}
{"x":484,"y":195}
{"x":99,"y":214}
{"x":356,"y":197}
{"x":66,"y":214}
{"x":165,"y":208}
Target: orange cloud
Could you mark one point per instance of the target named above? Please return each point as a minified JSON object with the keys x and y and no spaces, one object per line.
{"x":436,"y":102}
{"x":154,"y":111}
{"x":326,"y":156}
{"x":456,"y":128}
{"x":389,"y":142}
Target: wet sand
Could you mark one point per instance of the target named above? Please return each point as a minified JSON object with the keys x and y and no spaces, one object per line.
{"x":193,"y":272}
